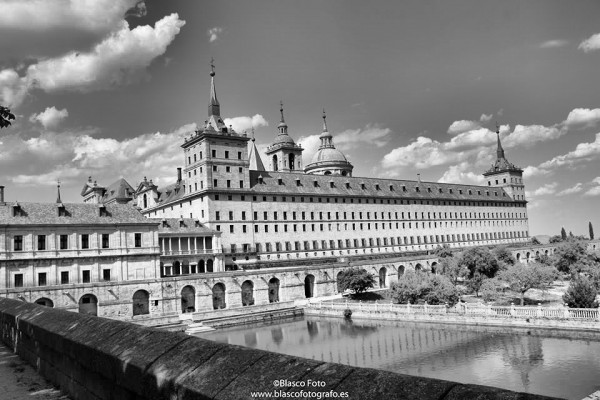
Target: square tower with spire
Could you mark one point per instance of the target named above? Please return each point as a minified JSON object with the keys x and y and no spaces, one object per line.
{"x":284,"y":154}
{"x":505,"y":174}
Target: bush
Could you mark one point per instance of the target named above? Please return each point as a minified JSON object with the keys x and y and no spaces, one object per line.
{"x":355,"y":279}
{"x":348,"y":313}
{"x":490,"y":290}
{"x":417,"y":287}
{"x":581,"y":293}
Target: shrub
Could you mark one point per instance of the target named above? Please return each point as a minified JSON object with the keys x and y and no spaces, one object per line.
{"x":355,"y":279}
{"x":348,"y":313}
{"x":490,"y":290}
{"x":414,"y":287}
{"x":581,"y":293}
{"x":521,"y":278}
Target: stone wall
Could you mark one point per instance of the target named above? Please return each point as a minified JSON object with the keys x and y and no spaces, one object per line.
{"x":98,"y":358}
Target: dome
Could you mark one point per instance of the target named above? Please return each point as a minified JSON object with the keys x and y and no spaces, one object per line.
{"x":284,"y":138}
{"x":328,"y":154}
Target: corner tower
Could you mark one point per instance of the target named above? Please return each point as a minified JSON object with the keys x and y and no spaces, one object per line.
{"x":505,"y":174}
{"x":328,"y":160}
{"x":284,"y":154}
{"x":216,"y":156}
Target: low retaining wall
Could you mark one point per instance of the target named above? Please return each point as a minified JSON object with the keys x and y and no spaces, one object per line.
{"x":98,"y":358}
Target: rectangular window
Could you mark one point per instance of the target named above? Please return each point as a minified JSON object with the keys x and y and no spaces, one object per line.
{"x":106,"y":275}
{"x":18,"y":243}
{"x":85,"y":241}
{"x":243,"y":215}
{"x":138,"y":240}
{"x":64,"y":277}
{"x":214,"y":183}
{"x":41,"y":245}
{"x":214,"y":153}
{"x":230,"y":215}
{"x":228,"y":183}
{"x":239,"y":156}
{"x":42,"y":279}
{"x":241,"y":184}
{"x":18,"y":280}
{"x":86,"y":277}
{"x":105,"y":240}
{"x":226,"y":154}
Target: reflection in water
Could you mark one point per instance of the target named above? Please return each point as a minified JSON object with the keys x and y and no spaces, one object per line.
{"x":563,"y":364}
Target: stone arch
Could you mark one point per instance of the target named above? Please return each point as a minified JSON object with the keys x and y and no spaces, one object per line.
{"x":201,"y":267}
{"x":338,"y":282}
{"x":327,"y":173}
{"x":188,"y":299}
{"x":434,"y":267}
{"x":418,"y":267}
{"x":275,"y":163}
{"x":537,"y":253}
{"x":218,"y":292}
{"x":528,"y":256}
{"x":518,"y":257}
{"x":273,"y":290}
{"x":141,"y":302}
{"x":344,"y":173}
{"x":210,"y":265}
{"x":88,"y":304}
{"x":383,"y":277}
{"x":309,"y":286}
{"x":546,"y":252}
{"x":401,"y":270}
{"x":44,"y":301}
{"x":247,"y":293}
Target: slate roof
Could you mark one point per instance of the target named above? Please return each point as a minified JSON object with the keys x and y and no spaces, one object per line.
{"x":119,"y":190}
{"x":373,"y":187}
{"x":254,"y":158}
{"x":77,"y":214}
{"x":190,"y":226}
{"x":171,"y":192}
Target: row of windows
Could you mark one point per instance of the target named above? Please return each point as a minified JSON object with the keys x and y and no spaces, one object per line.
{"x":198,"y":156}
{"x":336,"y":215}
{"x":63,"y":241}
{"x":42,"y":278}
{"x":215,"y":169}
{"x":378,"y":242}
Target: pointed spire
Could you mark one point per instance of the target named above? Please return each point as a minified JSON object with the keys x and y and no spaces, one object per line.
{"x":254,"y":159}
{"x":214,"y":108}
{"x":281,"y":110}
{"x":282,"y":127}
{"x":500,"y":151}
{"x":58,"y":200}
{"x":324,"y":121}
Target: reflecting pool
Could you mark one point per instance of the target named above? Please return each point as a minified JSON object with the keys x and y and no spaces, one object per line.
{"x":550,"y":362}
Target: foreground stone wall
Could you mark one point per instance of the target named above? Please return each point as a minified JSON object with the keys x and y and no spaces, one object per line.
{"x":97,"y":358}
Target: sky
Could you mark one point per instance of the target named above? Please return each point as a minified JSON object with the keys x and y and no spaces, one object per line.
{"x":109,"y":89}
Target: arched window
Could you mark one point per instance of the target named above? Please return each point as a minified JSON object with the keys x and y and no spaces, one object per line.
{"x":141,"y":303}
{"x":218,"y":292}
{"x":291,"y":161}
{"x":188,"y":299}
{"x":145,"y":201}
{"x":273,"y":290}
{"x":247,"y":293}
{"x":275,"y":164}
{"x":88,"y":304}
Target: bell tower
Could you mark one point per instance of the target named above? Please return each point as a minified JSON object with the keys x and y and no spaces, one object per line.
{"x":505,"y":174}
{"x":284,"y":154}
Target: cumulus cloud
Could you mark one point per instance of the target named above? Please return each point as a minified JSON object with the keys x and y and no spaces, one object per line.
{"x":91,"y":15}
{"x":421,"y":153}
{"x":549,"y":188}
{"x":213,"y":33}
{"x":549,"y":44}
{"x":241,"y":124}
{"x":583,"y":117}
{"x":462,"y":126}
{"x":590,"y":44}
{"x":118,"y":59}
{"x":572,"y":190}
{"x":373,"y":134}
{"x":461,"y":173}
{"x":486,"y":117}
{"x":532,"y":171}
{"x":50,"y":117}
{"x":527,"y":135}
{"x":583,"y":153}
{"x":310,"y":144}
{"x":595,"y":189}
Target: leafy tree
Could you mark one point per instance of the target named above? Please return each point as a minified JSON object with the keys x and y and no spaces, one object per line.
{"x":535,"y":240}
{"x":591,"y":228}
{"x":543,"y":259}
{"x":569,"y":253}
{"x":490,"y":289}
{"x":556,"y":239}
{"x":414,"y":287}
{"x":450,"y":267}
{"x":563,"y":233}
{"x":444,"y":252}
{"x":5,"y":117}
{"x":521,"y":278}
{"x":571,"y":236}
{"x":504,"y":255}
{"x":355,"y":279}
{"x":481,"y":264}
{"x":581,"y":293}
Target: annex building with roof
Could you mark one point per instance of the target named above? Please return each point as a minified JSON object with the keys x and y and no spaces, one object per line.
{"x":287,"y":212}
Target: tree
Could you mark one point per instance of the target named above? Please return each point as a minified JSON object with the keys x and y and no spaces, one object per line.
{"x":355,"y":279}
{"x":5,"y":117}
{"x":490,"y":289}
{"x":569,"y":253}
{"x":535,"y":241}
{"x":581,"y":293}
{"x":556,"y":239}
{"x":414,"y":287}
{"x":449,"y":267}
{"x":444,"y":252}
{"x":563,"y":233}
{"x":521,"y":278}
{"x":591,"y":228}
{"x":504,"y":255}
{"x":481,"y":264}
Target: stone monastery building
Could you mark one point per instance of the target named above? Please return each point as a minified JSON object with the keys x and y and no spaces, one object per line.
{"x":291,"y":212}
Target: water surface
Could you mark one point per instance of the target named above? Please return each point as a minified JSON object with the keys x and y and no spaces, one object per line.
{"x":550,"y":362}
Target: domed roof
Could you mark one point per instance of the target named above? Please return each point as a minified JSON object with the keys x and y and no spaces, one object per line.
{"x":284,"y":138}
{"x":328,"y":154}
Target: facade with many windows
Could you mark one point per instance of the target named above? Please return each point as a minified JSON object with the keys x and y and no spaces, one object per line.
{"x":323,"y":211}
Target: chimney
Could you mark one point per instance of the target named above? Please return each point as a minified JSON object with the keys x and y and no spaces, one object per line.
{"x":1,"y":194}
{"x":178,"y":175}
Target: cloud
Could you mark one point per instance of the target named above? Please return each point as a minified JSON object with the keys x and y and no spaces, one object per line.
{"x":583,"y":116}
{"x":462,"y":126}
{"x":590,"y":44}
{"x":486,"y":117}
{"x":120,"y":58}
{"x":549,"y":188}
{"x":527,"y":135}
{"x":532,"y":171}
{"x":373,"y":134}
{"x":50,"y":118}
{"x":241,"y":124}
{"x":549,"y":44}
{"x":595,"y":189}
{"x":572,"y":190}
{"x":43,"y":15}
{"x":310,"y":144}
{"x":583,"y":153}
{"x":421,"y":153}
{"x":461,"y":173}
{"x":213,"y":33}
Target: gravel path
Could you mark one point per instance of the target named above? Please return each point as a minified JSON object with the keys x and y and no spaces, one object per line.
{"x":19,"y":381}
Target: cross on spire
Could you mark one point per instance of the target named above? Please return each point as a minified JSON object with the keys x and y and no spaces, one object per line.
{"x":58,"y":200}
